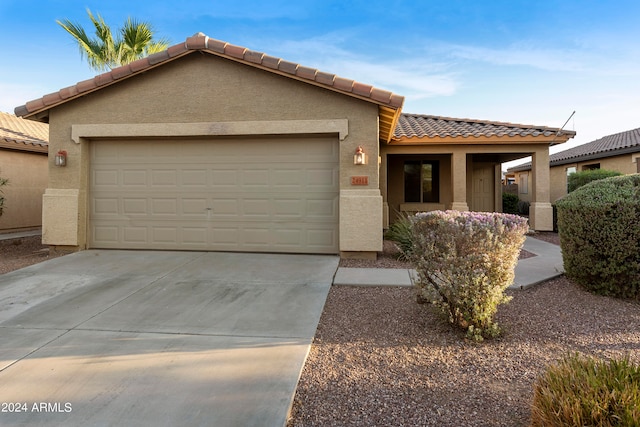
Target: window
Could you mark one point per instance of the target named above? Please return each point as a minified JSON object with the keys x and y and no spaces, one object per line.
{"x":421,"y":181}
{"x":570,"y":170}
{"x":523,"y":187}
{"x":591,"y":167}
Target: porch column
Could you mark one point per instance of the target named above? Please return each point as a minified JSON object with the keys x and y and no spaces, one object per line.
{"x":541,"y":211}
{"x":459,"y":181}
{"x":383,"y":190}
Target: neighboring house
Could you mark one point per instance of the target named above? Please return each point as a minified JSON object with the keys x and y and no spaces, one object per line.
{"x":23,"y":161}
{"x":619,"y":152}
{"x":211,"y":146}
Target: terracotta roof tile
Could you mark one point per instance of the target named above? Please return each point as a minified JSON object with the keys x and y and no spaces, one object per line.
{"x":604,"y":147}
{"x":52,"y":98}
{"x":85,"y":85}
{"x":420,"y":126}
{"x":287,"y":67}
{"x":68,"y":92}
{"x":235,"y":51}
{"x":36,"y":104}
{"x":253,"y":56}
{"x":172,"y":51}
{"x":200,"y":42}
{"x":396,"y":101}
{"x":159,"y":57}
{"x":216,"y":45}
{"x":343,"y":84}
{"x":197,"y":41}
{"x":381,"y":95}
{"x":306,"y":73}
{"x":121,"y":72}
{"x":270,"y":62}
{"x":103,"y":79}
{"x":325,"y":78}
{"x":362,"y":89}
{"x":26,"y":135}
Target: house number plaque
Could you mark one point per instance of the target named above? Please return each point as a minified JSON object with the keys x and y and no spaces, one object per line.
{"x":360,"y":180}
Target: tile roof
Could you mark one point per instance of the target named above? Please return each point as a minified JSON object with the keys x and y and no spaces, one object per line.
{"x":17,"y":133}
{"x":425,"y":126}
{"x":202,"y":43}
{"x":608,"y":146}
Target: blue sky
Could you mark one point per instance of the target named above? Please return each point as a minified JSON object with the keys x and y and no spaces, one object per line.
{"x":531,"y":62}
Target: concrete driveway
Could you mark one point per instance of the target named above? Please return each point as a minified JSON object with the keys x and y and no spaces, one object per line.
{"x":145,"y":338}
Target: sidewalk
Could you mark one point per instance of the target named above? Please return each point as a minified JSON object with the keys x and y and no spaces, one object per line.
{"x":546,"y":265}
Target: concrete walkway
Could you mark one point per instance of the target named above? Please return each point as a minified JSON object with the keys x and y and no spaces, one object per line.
{"x":547,"y":264}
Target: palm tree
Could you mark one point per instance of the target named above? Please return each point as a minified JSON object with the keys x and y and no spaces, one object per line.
{"x":133,"y":41}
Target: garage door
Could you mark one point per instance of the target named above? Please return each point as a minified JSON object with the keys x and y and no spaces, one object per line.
{"x":258,"y":195}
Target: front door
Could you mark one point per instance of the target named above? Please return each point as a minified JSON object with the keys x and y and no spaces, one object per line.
{"x":483,"y":187}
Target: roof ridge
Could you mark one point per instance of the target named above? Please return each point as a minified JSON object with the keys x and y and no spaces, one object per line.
{"x":202,"y":42}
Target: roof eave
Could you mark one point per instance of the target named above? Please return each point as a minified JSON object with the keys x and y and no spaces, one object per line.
{"x":474,"y":140}
{"x":23,"y":146}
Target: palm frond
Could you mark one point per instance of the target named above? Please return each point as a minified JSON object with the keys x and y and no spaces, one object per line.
{"x":133,"y":41}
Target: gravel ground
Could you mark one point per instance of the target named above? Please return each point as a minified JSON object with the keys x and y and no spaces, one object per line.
{"x":380,"y":359}
{"x":23,"y":252}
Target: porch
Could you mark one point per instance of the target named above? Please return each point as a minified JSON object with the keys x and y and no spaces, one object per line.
{"x":436,"y":163}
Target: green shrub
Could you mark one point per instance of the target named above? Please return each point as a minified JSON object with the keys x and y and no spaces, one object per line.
{"x":599,"y":228}
{"x":400,"y":233}
{"x":523,"y":207}
{"x":465,"y":261}
{"x":510,"y":203}
{"x":581,"y":391}
{"x":3,"y":182}
{"x":578,"y":179}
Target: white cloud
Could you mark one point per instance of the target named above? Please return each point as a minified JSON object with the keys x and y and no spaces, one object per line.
{"x":418,"y":78}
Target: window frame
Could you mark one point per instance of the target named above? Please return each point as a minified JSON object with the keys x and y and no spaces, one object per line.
{"x":435,"y":182}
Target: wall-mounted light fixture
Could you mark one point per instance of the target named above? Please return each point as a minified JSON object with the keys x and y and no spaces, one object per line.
{"x":359,"y":158}
{"x":61,"y":158}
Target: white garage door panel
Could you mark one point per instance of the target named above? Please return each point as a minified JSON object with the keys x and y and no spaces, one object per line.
{"x":273,"y":195}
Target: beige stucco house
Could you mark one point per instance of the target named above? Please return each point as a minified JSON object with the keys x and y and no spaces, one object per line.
{"x":23,"y":161}
{"x":212,"y":146}
{"x":618,"y":152}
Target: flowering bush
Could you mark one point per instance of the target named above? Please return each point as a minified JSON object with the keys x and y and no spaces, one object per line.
{"x":465,"y":261}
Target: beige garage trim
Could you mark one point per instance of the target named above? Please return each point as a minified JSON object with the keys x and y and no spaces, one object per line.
{"x":234,"y":194}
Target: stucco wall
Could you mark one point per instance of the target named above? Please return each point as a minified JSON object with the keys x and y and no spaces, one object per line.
{"x":27,"y":174}
{"x":202,"y":89}
{"x":624,"y":164}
